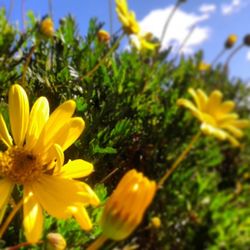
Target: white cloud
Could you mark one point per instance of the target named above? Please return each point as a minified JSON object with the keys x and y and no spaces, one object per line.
{"x":248,"y":56}
{"x":179,"y":28}
{"x":207,"y":8}
{"x":233,"y":7}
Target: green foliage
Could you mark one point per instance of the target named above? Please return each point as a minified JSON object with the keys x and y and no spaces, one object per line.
{"x":132,"y":121}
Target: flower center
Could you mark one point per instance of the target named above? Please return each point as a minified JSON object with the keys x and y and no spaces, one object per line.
{"x":20,"y":166}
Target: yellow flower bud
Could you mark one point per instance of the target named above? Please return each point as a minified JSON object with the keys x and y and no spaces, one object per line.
{"x":231,"y":40}
{"x":156,"y":222}
{"x":55,"y":241}
{"x":47,"y":27}
{"x":103,"y":36}
{"x":247,"y":40}
{"x":126,"y":206}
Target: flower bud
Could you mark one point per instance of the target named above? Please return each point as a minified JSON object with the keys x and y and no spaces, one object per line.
{"x":231,"y":40}
{"x":247,"y":40}
{"x":55,"y":241}
{"x":103,"y":36}
{"x":47,"y":27}
{"x":125,"y":208}
{"x":155,"y":222}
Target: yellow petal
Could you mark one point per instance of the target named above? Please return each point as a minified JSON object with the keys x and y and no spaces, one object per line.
{"x":56,"y":121}
{"x":4,"y":133}
{"x":203,"y":99}
{"x":38,"y":117}
{"x":69,"y":133}
{"x":227,"y":106}
{"x":19,"y":113}
{"x":82,"y":217}
{"x":76,"y":169}
{"x":233,"y":130}
{"x":33,"y":216}
{"x":196,"y":98}
{"x":91,"y":197}
{"x":241,"y":123}
{"x":56,"y":194}
{"x":211,"y":130}
{"x":189,"y":105}
{"x":5,"y":191}
{"x":214,"y":102}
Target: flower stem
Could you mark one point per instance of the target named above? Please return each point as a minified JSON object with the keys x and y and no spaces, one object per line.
{"x":10,"y":217}
{"x":232,"y":54}
{"x":179,"y":160}
{"x":23,"y":244}
{"x":104,"y":58}
{"x":221,"y":53}
{"x":97,"y":243}
{"x":168,"y":20}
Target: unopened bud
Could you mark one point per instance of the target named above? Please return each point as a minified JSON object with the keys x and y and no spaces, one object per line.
{"x":247,"y":40}
{"x":55,"y":241}
{"x":231,"y":40}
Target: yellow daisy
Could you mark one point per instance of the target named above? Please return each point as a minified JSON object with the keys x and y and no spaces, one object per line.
{"x":125,"y":208}
{"x":47,"y":27}
{"x":34,"y":160}
{"x":127,"y":17}
{"x":215,"y":116}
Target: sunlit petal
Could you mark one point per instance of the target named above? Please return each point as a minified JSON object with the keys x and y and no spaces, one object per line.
{"x":4,"y":133}
{"x":38,"y":117}
{"x":5,"y":191}
{"x":56,"y":121}
{"x":51,"y":194}
{"x":76,"y":169}
{"x":33,"y":216}
{"x":82,"y":217}
{"x":19,"y":113}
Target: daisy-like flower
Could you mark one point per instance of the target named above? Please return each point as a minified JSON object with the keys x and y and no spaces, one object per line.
{"x":103,"y":36}
{"x":144,"y":42}
{"x":125,"y":208}
{"x":231,"y":40}
{"x":34,"y":160}
{"x":215,"y":115}
{"x":127,"y":18}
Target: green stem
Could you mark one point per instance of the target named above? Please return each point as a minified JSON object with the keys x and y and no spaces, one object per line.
{"x":232,"y":54}
{"x":221,"y":53}
{"x":97,"y":243}
{"x":168,"y":20}
{"x":104,"y":58}
{"x":179,"y":160}
{"x":10,"y":217}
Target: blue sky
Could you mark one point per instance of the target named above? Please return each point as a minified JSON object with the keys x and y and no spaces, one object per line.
{"x":214,"y":20}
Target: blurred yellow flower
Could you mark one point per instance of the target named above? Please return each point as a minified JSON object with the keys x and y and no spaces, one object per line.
{"x":127,"y":17}
{"x":215,"y":116}
{"x":34,"y":160}
{"x":103,"y":36}
{"x":231,"y":40}
{"x":47,"y":27}
{"x":144,"y":42}
{"x":204,"y":66}
{"x":125,"y":208}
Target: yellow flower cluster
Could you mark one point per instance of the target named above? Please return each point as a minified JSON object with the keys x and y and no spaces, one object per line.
{"x":47,"y":27}
{"x":34,"y":159}
{"x":140,"y":40}
{"x":215,"y":115}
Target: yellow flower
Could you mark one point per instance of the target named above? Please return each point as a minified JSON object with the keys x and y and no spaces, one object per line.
{"x":47,"y":27}
{"x":231,"y":40}
{"x":125,"y":208}
{"x":34,"y":160}
{"x":144,"y":42}
{"x":103,"y":36}
{"x":215,"y":116}
{"x":127,"y":17}
{"x":204,"y":66}
{"x":156,"y":222}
